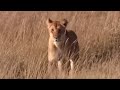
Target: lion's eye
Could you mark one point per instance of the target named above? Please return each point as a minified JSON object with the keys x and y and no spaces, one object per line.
{"x":52,"y":30}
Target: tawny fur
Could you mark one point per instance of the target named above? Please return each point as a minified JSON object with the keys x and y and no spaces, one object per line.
{"x":62,"y":43}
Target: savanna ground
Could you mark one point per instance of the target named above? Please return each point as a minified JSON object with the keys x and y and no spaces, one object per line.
{"x":24,"y":39}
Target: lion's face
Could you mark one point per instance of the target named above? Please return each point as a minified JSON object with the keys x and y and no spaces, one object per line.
{"x":57,"y":29}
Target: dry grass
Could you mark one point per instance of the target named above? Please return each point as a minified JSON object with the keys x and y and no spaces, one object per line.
{"x":24,"y":39}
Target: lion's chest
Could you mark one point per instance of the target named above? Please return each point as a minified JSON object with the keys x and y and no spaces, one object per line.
{"x":57,"y":44}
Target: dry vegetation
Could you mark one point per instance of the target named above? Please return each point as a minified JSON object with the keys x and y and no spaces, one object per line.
{"x":24,"y":39}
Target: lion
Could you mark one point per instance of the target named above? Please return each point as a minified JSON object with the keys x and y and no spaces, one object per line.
{"x":62,"y":43}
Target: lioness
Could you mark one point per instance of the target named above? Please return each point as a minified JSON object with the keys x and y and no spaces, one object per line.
{"x":62,"y":43}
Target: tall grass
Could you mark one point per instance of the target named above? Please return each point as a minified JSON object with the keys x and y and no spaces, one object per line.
{"x":24,"y":40}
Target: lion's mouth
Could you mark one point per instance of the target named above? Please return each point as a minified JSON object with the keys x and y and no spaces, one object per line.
{"x":57,"y":41}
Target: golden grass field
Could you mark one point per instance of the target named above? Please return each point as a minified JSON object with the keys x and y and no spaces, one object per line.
{"x":24,"y":41}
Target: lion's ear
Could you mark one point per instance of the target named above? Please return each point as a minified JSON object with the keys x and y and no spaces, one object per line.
{"x":49,"y":21}
{"x":64,"y":22}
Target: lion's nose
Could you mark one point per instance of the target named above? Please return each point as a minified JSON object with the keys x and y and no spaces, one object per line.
{"x":56,"y":39}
